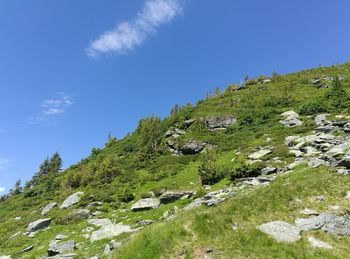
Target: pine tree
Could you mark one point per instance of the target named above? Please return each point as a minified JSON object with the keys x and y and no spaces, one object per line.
{"x":55,"y":163}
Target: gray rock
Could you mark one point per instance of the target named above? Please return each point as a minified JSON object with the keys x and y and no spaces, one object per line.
{"x":39,"y":224}
{"x":309,"y":212}
{"x":95,"y":204}
{"x":318,"y":243}
{"x":192,"y":147}
{"x":110,"y":231}
{"x":321,"y":119}
{"x":169,"y":196}
{"x":268,"y":170}
{"x":107,"y":250}
{"x":27,"y":249}
{"x":145,"y":204}
{"x":99,"y":222}
{"x":17,"y":234}
{"x":5,"y":257}
{"x":316,"y":162}
{"x":17,"y":218}
{"x":327,"y":222}
{"x":60,"y":237}
{"x":347,"y":195}
{"x":219,"y":122}
{"x":115,"y":244}
{"x":259,"y":154}
{"x":48,"y":207}
{"x":79,"y":214}
{"x":290,"y":119}
{"x":61,"y":248}
{"x":281,"y":231}
{"x":71,"y":200}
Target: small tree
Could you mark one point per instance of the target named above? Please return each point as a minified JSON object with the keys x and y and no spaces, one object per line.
{"x":337,"y":96}
{"x":55,"y":163}
{"x":18,"y":188}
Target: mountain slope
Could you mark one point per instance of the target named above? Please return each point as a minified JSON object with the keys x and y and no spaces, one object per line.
{"x":196,"y":150}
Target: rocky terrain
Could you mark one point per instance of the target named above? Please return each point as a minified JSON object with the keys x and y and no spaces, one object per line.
{"x":258,"y":171}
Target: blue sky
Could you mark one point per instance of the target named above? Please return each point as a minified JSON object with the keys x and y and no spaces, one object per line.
{"x":73,"y":71}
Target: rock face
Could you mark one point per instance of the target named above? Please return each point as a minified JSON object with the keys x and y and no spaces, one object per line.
{"x":99,"y":222}
{"x":259,"y":154}
{"x":219,"y":123}
{"x":39,"y":224}
{"x":291,"y":119}
{"x":145,"y":204}
{"x":109,"y":231}
{"x":281,"y":231}
{"x":48,"y":207}
{"x":71,"y":200}
{"x":192,"y":147}
{"x":169,"y":197}
{"x":330,"y":223}
{"x":61,"y":248}
{"x":309,"y":212}
{"x":318,"y":243}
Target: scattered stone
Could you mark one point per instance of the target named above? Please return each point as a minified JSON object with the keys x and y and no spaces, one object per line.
{"x":192,"y":147}
{"x":110,"y":231}
{"x":169,"y":197}
{"x":347,"y":195}
{"x":145,"y":204}
{"x":99,"y":222}
{"x":309,"y":212}
{"x":321,"y":119}
{"x":220,"y":122}
{"x":61,"y":248}
{"x":318,"y":243}
{"x":259,"y":154}
{"x":281,"y":231}
{"x":268,"y":170}
{"x":95,"y":204}
{"x":71,"y":200}
{"x":15,"y":235}
{"x":60,"y":237}
{"x":115,"y":244}
{"x":320,"y":198}
{"x":334,"y":207}
{"x":143,"y":222}
{"x":48,"y":207}
{"x":17,"y":218}
{"x":290,"y":119}
{"x":39,"y":224}
{"x":316,"y":162}
{"x":107,"y":250}
{"x":327,"y":222}
{"x":27,"y":249}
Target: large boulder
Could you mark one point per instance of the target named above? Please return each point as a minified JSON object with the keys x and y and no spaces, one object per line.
{"x":281,"y":231}
{"x":169,"y":197}
{"x":145,"y":204}
{"x":219,"y":122}
{"x":110,"y":231}
{"x":290,"y":119}
{"x":192,"y":147}
{"x":48,"y":207}
{"x":327,"y":222}
{"x":71,"y":200}
{"x":61,"y":248}
{"x":38,"y":225}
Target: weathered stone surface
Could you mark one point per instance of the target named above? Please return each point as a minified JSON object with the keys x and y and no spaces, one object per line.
{"x":192,"y":147}
{"x":71,"y":200}
{"x":39,"y":224}
{"x":268,"y":170}
{"x":347,"y":195}
{"x":5,"y":257}
{"x":110,"y":231}
{"x":169,"y":196}
{"x":48,"y":207}
{"x":100,"y":222}
{"x":327,"y":222}
{"x":259,"y":154}
{"x":107,"y":250}
{"x":79,"y":213}
{"x":281,"y":231}
{"x":309,"y":212}
{"x":60,"y":237}
{"x":27,"y":249}
{"x":290,"y":119}
{"x":219,"y":122}
{"x":145,"y":204}
{"x":321,"y":119}
{"x":61,"y":248}
{"x":318,"y":243}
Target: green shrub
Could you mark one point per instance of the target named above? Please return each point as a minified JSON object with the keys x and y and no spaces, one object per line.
{"x":126,"y":196}
{"x":242,"y":169}
{"x":208,"y":170}
{"x":312,"y":107}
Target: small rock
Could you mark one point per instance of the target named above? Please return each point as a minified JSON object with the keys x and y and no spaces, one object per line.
{"x":347,"y":195}
{"x":334,"y":207}
{"x":115,"y":244}
{"x":107,"y":250}
{"x":5,"y":257}
{"x":110,"y":231}
{"x":99,"y":222}
{"x":48,"y":207}
{"x":17,"y":218}
{"x":39,"y":224}
{"x":60,"y":237}
{"x":259,"y":154}
{"x":268,"y":170}
{"x":71,"y":200}
{"x":145,"y":204}
{"x":27,"y":249}
{"x":318,"y":243}
{"x":281,"y":231}
{"x":320,"y":198}
{"x":309,"y":212}
{"x":61,"y":248}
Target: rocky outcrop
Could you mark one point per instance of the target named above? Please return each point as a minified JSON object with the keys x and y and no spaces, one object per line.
{"x":110,"y":231}
{"x":38,"y":225}
{"x":169,"y":197}
{"x":145,"y":204}
{"x":260,"y":154}
{"x":281,"y":231}
{"x":71,"y":200}
{"x":192,"y":147}
{"x":219,"y":122}
{"x":99,"y":222}
{"x":290,"y":119}
{"x":329,"y":223}
{"x":61,"y":248}
{"x":48,"y":207}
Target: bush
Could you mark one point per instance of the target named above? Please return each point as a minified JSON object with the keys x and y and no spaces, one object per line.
{"x":208,"y":171}
{"x":312,"y":107}
{"x":126,"y":196}
{"x":242,"y":169}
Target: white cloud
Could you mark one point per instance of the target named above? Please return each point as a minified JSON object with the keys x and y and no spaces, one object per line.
{"x":2,"y":189}
{"x":53,"y":107}
{"x":128,"y":35}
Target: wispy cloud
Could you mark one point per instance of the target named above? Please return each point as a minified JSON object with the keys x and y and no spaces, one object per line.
{"x":53,"y":107}
{"x":128,"y":35}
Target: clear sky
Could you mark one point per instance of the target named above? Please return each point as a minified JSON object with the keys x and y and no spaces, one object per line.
{"x":73,"y":71}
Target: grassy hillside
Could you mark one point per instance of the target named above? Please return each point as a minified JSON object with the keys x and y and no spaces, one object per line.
{"x":142,"y":165}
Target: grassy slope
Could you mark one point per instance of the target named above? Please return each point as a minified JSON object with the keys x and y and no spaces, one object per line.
{"x":205,"y":227}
